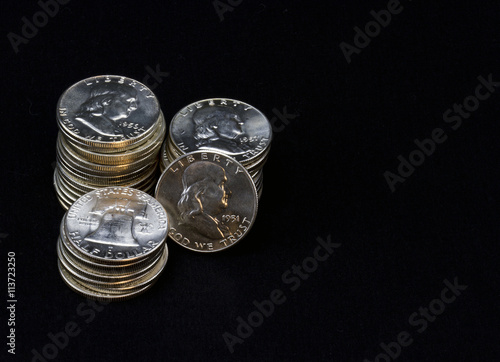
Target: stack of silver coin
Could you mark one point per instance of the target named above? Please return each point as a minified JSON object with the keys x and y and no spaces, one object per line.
{"x":231,"y":127}
{"x":111,"y":130}
{"x":112,"y":243}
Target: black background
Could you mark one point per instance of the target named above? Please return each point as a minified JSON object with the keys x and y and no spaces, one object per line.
{"x":347,"y":125}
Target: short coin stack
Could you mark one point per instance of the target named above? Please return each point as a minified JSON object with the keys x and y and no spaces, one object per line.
{"x":111,"y":130}
{"x":112,"y":243}
{"x":231,"y":127}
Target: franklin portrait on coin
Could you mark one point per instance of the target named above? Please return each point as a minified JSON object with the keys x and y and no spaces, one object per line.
{"x":106,"y":106}
{"x":204,"y":196}
{"x":220,"y":128}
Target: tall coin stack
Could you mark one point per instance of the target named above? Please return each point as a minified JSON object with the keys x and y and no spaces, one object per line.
{"x":111,"y":130}
{"x":112,"y":243}
{"x":231,"y":127}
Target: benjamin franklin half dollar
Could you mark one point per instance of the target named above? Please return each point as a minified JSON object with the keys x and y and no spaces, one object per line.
{"x":229,"y":126}
{"x":112,"y":243}
{"x":210,"y":199}
{"x":107,"y":112}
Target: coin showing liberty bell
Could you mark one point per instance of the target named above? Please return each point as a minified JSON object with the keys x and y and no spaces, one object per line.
{"x":112,"y":243}
{"x":116,"y":225}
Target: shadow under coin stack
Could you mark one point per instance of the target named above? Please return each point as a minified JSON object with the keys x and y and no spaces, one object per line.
{"x":228,"y":126}
{"x":112,"y":243}
{"x":111,"y":130}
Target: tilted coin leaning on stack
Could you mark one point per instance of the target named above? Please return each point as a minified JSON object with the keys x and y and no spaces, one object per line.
{"x":210,"y":199}
{"x":229,"y":126}
{"x":112,"y":243}
{"x":111,"y":130}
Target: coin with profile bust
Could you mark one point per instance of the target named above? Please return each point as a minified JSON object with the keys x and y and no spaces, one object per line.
{"x":210,"y":199}
{"x":232,"y":127}
{"x":108,"y":112}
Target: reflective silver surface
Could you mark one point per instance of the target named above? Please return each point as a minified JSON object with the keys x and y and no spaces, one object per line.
{"x":222,"y":125}
{"x":115,"y":224}
{"x":88,"y":156}
{"x":107,"y":109}
{"x":210,"y":199}
{"x":112,"y":243}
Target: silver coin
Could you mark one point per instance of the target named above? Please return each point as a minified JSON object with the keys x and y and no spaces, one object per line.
{"x":112,"y":282}
{"x":108,"y":111}
{"x":97,"y":295}
{"x":117,"y":158}
{"x":87,"y":176}
{"x":116,"y":147}
{"x":64,"y":201}
{"x":259,"y":163}
{"x":72,"y":186}
{"x":134,"y":283}
{"x":163,"y":154}
{"x":229,"y":126}
{"x":210,"y":199}
{"x":79,"y":259}
{"x":115,"y":225}
{"x":64,"y":193}
{"x":82,"y":164}
{"x":96,"y":277}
